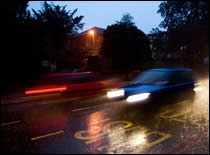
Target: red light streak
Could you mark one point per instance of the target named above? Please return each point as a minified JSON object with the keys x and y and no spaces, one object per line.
{"x":46,"y":90}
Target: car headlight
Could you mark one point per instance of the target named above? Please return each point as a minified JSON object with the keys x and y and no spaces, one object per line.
{"x":115,"y":93}
{"x":198,"y":87}
{"x":138,"y":97}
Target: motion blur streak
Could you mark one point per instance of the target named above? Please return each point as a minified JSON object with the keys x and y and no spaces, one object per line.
{"x":138,"y":97}
{"x":48,"y":90}
{"x":115,"y":93}
{"x":93,"y":123}
{"x":201,"y":102}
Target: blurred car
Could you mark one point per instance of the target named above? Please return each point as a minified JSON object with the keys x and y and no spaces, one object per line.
{"x":67,"y":82}
{"x":156,"y":85}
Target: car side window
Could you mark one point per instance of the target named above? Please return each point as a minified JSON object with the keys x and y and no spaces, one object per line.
{"x":181,"y":77}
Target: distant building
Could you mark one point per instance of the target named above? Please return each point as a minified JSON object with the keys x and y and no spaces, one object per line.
{"x":88,"y":42}
{"x":87,"y":47}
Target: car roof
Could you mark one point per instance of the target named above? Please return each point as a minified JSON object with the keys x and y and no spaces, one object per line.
{"x":172,"y":69}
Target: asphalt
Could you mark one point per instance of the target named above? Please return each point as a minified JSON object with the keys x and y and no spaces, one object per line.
{"x":94,"y":124}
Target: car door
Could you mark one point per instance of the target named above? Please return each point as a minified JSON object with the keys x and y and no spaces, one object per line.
{"x":181,"y":85}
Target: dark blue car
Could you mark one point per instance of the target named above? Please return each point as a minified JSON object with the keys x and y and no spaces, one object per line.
{"x":156,"y":84}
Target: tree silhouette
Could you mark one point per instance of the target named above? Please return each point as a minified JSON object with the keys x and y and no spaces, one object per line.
{"x":186,"y":23}
{"x":55,"y":22}
{"x":126,"y":19}
{"x":176,"y":13}
{"x":158,"y":44}
{"x":33,"y":37}
{"x":125,"y":45}
{"x":15,"y":15}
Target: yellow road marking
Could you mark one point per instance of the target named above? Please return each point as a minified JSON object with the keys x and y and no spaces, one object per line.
{"x":126,"y":129}
{"x":48,"y":135}
{"x":164,"y":137}
{"x":10,"y":123}
{"x":128,"y":126}
{"x":80,"y":134}
{"x":166,"y":114}
{"x":83,"y":134}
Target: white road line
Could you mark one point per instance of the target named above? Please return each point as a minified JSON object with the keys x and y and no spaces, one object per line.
{"x":80,"y":109}
{"x":59,"y":101}
{"x":28,"y":98}
{"x":90,"y":107}
{"x":48,"y":135}
{"x":10,"y":123}
{"x":64,"y":100}
{"x":55,"y":101}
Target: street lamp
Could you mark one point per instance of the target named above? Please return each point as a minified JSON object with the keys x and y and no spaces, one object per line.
{"x":91,"y":32}
{"x":92,"y":35}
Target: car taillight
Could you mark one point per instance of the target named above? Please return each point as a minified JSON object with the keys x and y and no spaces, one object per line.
{"x":46,"y":90}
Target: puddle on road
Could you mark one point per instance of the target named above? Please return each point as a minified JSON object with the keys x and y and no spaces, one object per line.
{"x":127,"y":136}
{"x":116,"y":131}
{"x":104,"y":135}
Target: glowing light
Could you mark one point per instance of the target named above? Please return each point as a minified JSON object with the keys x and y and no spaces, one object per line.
{"x":115,"y":93}
{"x":46,"y":90}
{"x":198,"y":89}
{"x":138,"y":139}
{"x":138,"y":97}
{"x":95,"y":123}
{"x":91,"y":32}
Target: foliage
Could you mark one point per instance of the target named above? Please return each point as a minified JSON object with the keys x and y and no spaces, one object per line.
{"x":158,"y":44}
{"x":176,"y":13}
{"x":55,"y":22}
{"x":186,"y":23}
{"x":13,"y":58}
{"x":126,"y":19}
{"x":125,"y":45}
{"x":31,"y":38}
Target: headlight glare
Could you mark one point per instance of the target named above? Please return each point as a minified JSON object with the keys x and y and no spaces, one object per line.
{"x":138,"y":97}
{"x":115,"y":93}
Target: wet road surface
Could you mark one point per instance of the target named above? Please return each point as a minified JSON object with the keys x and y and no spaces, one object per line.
{"x":96,"y":125}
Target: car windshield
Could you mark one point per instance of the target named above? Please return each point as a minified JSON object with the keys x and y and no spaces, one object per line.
{"x":152,"y":77}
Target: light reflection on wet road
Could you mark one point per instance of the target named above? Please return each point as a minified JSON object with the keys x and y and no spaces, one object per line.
{"x":111,"y":127}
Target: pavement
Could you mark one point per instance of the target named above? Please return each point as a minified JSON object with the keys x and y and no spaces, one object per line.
{"x":93,"y":124}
